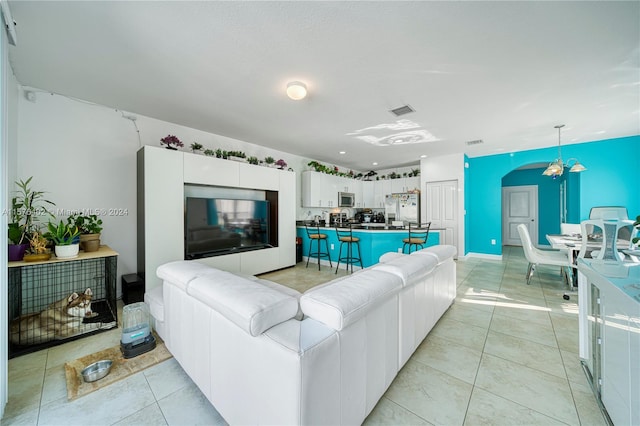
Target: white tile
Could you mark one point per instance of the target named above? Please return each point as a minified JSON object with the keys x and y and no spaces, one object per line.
{"x":434,"y":396}
{"x":488,"y":409}
{"x":448,"y":357}
{"x":531,"y":354}
{"x":148,"y":416}
{"x":389,"y":413}
{"x":102,"y":407}
{"x":166,"y":378}
{"x":518,"y":328}
{"x":189,"y":406}
{"x":525,"y":386}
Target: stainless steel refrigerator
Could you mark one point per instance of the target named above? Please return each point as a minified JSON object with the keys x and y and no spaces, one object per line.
{"x":402,"y":207}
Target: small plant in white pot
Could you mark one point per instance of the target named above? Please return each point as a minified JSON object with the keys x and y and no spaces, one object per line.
{"x":90,"y":227}
{"x":66,"y":239}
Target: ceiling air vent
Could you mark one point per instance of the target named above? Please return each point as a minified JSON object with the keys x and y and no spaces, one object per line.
{"x":405,"y":109}
{"x":475,"y":142}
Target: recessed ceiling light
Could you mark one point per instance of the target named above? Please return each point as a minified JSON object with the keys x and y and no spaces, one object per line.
{"x":296,"y":90}
{"x":423,"y":156}
{"x":374,"y":163}
{"x":343,"y":152}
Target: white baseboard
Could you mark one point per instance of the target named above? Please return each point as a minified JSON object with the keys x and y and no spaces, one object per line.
{"x":485,"y":256}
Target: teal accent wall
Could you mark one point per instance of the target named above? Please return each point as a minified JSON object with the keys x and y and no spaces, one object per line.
{"x":548,"y":198}
{"x":611,"y":179}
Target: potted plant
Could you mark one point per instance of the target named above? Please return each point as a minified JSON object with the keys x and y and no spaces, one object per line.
{"x":170,"y":140}
{"x":27,"y":207}
{"x":281,"y":164}
{"x":90,"y":228}
{"x":195,"y":147}
{"x":66,"y":239}
{"x":253,"y":160}
{"x":270,"y":161}
{"x":636,"y":240}
{"x":38,"y":250}
{"x":209,"y":152}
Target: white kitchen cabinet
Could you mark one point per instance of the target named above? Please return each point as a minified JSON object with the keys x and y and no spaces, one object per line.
{"x":405,"y":184}
{"x":355,"y":186}
{"x":319,"y":190}
{"x":368,"y":194}
{"x":381,"y":189}
{"x":609,"y":321}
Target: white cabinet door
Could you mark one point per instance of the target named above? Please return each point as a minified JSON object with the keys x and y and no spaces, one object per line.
{"x":412,"y":183}
{"x":256,"y":177}
{"x":355,"y":186}
{"x":368,"y":194}
{"x":204,"y":170}
{"x":319,"y":190}
{"x":398,"y":185}
{"x":381,"y":189}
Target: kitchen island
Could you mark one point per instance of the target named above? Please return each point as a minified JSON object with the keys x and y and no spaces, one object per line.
{"x":376,"y":239}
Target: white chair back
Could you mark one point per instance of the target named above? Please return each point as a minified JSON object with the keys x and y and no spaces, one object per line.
{"x":607,"y":233}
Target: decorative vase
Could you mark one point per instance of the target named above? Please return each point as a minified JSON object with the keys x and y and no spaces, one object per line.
{"x":68,"y":251}
{"x":16,"y":252}
{"x":89,"y":242}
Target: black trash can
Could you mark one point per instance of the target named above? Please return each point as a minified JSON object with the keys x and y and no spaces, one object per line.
{"x":298,"y":249}
{"x":132,"y":288}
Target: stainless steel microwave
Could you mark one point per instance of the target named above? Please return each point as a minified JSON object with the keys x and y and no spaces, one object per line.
{"x":346,"y":199}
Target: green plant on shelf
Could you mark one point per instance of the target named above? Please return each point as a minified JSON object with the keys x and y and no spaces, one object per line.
{"x":62,"y":234}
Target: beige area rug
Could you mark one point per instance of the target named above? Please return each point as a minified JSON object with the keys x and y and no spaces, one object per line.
{"x":121,"y":368}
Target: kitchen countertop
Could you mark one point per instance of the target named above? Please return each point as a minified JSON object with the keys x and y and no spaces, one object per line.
{"x":370,"y":227}
{"x":625,"y":276}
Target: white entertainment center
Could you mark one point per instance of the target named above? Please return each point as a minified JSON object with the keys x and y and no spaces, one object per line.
{"x":162,"y":176}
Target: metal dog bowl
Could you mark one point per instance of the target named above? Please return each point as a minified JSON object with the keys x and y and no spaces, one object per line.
{"x":97,"y":370}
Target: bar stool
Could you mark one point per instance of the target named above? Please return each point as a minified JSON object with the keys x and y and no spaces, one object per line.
{"x":314,"y":234}
{"x":417,"y":236}
{"x":345,"y":236}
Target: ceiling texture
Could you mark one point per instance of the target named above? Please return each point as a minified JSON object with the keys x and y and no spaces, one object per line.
{"x":501,"y":72}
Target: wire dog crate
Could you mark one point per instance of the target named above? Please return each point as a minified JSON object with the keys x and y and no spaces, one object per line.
{"x":56,"y":301}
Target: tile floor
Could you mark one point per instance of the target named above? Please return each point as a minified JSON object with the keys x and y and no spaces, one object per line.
{"x":505,"y":353}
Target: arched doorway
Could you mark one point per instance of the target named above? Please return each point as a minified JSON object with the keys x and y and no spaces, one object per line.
{"x":557,"y":200}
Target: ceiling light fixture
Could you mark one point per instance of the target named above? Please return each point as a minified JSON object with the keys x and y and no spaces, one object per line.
{"x":556,"y":168}
{"x":296,"y":90}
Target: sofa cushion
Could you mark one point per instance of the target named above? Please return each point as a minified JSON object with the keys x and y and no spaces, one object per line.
{"x":409,"y":268}
{"x":284,"y":289}
{"x":250,"y":305}
{"x":388,"y":257}
{"x":181,"y":272}
{"x":345,"y":300}
{"x":440,"y":252}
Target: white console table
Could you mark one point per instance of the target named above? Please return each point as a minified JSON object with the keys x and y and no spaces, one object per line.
{"x":609,"y":311}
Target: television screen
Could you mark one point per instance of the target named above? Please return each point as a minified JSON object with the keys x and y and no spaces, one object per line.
{"x":215,"y":226}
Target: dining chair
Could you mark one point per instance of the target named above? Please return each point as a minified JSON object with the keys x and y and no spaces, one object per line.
{"x":601,"y":237}
{"x":537,"y":257}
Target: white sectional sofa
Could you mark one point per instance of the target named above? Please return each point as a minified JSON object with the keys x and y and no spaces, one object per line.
{"x":263,"y":353}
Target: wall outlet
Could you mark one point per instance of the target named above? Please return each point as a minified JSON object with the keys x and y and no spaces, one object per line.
{"x":493,"y":242}
{"x":331,"y":246}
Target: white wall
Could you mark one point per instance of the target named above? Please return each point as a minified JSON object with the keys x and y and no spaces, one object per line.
{"x":84,"y":156}
{"x":447,"y":167}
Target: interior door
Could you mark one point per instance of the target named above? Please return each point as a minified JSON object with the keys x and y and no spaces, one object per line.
{"x":519,"y":205}
{"x":442,"y":209}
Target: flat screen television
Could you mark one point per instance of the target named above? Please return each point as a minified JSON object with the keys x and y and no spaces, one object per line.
{"x":215,"y":226}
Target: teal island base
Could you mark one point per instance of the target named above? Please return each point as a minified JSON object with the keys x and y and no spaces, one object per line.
{"x":373,"y":243}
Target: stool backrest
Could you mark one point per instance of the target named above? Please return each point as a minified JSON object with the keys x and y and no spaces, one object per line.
{"x":419,"y":231}
{"x":344,"y":231}
{"x":312,"y":229}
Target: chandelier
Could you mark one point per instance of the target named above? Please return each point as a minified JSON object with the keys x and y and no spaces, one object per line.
{"x":556,"y":168}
